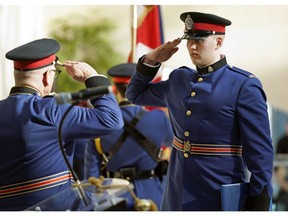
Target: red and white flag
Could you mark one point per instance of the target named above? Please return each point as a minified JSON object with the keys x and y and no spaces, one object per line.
{"x":149,"y":33}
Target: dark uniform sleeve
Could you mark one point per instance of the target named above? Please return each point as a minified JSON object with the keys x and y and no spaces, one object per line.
{"x":257,"y":145}
{"x":141,"y":91}
{"x":88,"y":123}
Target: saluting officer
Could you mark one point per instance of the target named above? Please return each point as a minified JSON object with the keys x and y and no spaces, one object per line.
{"x":123,"y":153}
{"x":219,"y":118}
{"x":31,"y":164}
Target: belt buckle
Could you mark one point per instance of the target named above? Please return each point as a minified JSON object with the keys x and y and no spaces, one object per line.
{"x":186,"y":148}
{"x":127,"y":173}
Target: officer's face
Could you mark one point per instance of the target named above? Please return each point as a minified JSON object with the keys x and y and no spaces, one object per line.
{"x":202,"y":52}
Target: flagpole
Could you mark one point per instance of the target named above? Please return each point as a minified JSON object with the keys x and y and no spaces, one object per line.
{"x":134,"y":32}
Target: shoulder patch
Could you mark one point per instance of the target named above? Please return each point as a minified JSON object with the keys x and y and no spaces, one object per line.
{"x":184,"y":67}
{"x":241,"y":71}
{"x":50,"y":95}
{"x":187,"y":68}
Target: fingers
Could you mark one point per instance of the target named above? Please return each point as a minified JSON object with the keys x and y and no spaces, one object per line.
{"x":69,"y":62}
{"x":173,"y":51}
{"x":79,"y":71}
{"x":169,"y":49}
{"x":171,"y":46}
{"x":174,"y":43}
{"x":69,"y":66}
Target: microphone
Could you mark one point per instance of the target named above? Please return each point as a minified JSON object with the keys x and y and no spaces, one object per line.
{"x":66,"y":97}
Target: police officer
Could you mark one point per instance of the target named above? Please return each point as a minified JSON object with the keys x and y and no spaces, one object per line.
{"x":31,"y":164}
{"x":281,"y":173}
{"x":219,"y":118}
{"x":123,"y":153}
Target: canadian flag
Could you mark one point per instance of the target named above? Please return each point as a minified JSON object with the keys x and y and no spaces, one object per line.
{"x":149,"y":33}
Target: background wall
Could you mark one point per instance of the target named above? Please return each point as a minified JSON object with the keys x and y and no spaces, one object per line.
{"x":256,"y":40}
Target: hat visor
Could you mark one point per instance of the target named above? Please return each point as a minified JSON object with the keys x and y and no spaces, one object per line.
{"x":194,"y":36}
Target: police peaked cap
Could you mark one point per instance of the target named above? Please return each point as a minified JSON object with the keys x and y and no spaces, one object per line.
{"x":122,"y":73}
{"x":34,"y":55}
{"x":201,"y":25}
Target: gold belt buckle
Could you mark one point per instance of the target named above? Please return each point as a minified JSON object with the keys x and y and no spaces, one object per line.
{"x":186,"y":148}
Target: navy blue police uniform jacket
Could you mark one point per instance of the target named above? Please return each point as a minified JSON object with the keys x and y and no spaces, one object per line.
{"x":220,"y":124}
{"x":155,"y":126}
{"x":31,"y":164}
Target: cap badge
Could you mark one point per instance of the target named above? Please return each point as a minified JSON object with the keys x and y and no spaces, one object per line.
{"x":189,"y":23}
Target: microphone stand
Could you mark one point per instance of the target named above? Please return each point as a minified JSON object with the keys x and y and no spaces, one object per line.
{"x":82,"y":194}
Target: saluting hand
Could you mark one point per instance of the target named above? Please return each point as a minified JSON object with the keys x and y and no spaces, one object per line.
{"x":163,"y":52}
{"x":79,"y":71}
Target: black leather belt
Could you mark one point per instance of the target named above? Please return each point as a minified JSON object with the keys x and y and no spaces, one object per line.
{"x":131,"y":174}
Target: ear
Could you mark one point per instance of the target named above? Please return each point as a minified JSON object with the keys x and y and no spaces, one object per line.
{"x":219,"y":42}
{"x":114,"y":90}
{"x":45,"y":79}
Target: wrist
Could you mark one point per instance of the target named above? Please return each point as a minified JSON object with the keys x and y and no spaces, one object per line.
{"x":149,"y":61}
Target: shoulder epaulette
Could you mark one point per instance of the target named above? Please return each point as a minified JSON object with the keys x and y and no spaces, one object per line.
{"x":187,"y":68}
{"x":184,"y":67}
{"x":241,"y":71}
{"x":50,"y":95}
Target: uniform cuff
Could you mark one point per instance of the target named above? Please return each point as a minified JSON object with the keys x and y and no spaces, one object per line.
{"x":95,"y":81}
{"x":259,"y":203}
{"x":146,"y":69}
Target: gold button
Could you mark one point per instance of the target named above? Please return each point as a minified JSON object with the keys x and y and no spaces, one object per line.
{"x":186,"y":133}
{"x":188,"y":112}
{"x":186,"y":155}
{"x":200,"y":79}
{"x":210,"y":69}
{"x":193,"y":94}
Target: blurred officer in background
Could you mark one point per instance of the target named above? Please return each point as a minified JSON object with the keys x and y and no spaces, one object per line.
{"x":31,"y":164}
{"x":134,"y":158}
{"x":219,"y":118}
{"x":282,"y":144}
{"x":281,"y":172}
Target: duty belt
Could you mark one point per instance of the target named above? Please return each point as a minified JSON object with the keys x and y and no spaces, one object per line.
{"x":35,"y":184}
{"x":207,"y":149}
{"x":131,"y":174}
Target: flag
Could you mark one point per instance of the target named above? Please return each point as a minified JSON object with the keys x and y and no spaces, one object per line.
{"x":149,"y":33}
